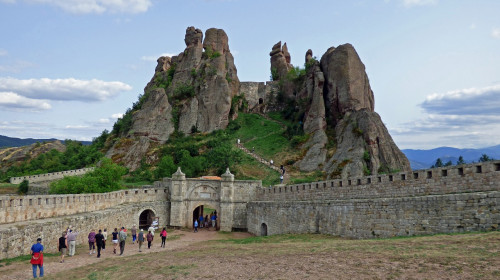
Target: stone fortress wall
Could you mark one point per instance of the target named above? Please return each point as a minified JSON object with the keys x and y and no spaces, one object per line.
{"x":50,"y":176}
{"x":441,"y":200}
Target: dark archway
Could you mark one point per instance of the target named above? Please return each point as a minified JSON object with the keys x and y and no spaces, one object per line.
{"x":261,"y":101}
{"x":263,"y":229}
{"x":206,"y":211}
{"x":146,"y":219}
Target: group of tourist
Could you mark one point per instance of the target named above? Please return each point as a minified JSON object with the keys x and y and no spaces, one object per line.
{"x":67,"y":243}
{"x":205,"y":222}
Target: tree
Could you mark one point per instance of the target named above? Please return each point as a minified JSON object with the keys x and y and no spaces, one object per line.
{"x":448,"y":163}
{"x":439,"y":163}
{"x":23,"y":187}
{"x":460,"y":160}
{"x":166,"y":167}
{"x":485,"y":158}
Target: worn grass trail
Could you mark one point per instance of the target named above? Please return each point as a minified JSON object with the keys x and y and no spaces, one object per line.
{"x":210,"y":255}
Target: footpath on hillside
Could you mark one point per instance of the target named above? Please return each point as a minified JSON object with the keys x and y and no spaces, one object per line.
{"x":286,"y":177}
{"x":177,"y":239}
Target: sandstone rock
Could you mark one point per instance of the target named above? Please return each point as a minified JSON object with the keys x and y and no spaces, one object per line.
{"x":151,"y":124}
{"x":347,"y":88}
{"x":193,"y":37}
{"x":280,"y":61}
{"x":362,"y":132}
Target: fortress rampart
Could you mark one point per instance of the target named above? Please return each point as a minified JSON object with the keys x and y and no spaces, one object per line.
{"x":32,"y":207}
{"x":478,"y":177}
{"x":50,"y":176}
{"x":442,"y":200}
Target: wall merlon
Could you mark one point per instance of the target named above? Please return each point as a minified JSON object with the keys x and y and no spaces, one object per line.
{"x":50,"y":176}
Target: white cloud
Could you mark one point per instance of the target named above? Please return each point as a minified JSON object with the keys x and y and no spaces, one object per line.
{"x":472,"y":26}
{"x":3,"y":52}
{"x":97,"y":6}
{"x":470,"y":101}
{"x":117,"y":116}
{"x":495,"y":33}
{"x":412,"y":3}
{"x":13,"y":101}
{"x":465,"y":118}
{"x":154,"y":58}
{"x":64,"y":89}
{"x":103,"y":121}
{"x":77,"y":126}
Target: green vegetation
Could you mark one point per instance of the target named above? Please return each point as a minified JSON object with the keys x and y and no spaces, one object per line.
{"x":23,"y":187}
{"x":104,"y":178}
{"x":76,"y":156}
{"x":274,"y":74}
{"x":210,"y":53}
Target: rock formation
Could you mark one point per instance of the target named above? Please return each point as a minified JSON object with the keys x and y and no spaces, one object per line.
{"x":14,"y":155}
{"x":188,"y":92}
{"x":337,"y":97}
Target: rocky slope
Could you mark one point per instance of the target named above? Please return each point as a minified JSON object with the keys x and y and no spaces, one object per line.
{"x":188,"y":92}
{"x":338,"y":101}
{"x":10,"y":156}
{"x":331,"y":100}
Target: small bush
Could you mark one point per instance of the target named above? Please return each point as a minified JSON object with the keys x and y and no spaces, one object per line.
{"x":23,"y":187}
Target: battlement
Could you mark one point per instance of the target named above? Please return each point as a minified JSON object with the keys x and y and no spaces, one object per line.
{"x":50,"y":176}
{"x":476,"y":177}
{"x":31,"y":207}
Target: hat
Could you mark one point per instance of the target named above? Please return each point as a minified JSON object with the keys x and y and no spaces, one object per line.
{"x":38,"y":239}
{"x":123,"y":227}
{"x":142,"y":229}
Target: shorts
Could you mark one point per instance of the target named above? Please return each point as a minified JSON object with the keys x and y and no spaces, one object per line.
{"x":115,"y":241}
{"x":63,"y":251}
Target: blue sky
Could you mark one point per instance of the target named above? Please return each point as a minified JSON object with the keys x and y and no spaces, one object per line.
{"x":69,"y":68}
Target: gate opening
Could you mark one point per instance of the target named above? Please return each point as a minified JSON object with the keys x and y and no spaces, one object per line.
{"x":263,"y":229}
{"x":207,"y":212}
{"x":146,"y":219}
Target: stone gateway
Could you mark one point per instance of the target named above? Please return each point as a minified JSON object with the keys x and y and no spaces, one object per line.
{"x":441,"y":200}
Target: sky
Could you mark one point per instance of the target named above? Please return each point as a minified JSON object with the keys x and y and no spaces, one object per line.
{"x":70,"y":68}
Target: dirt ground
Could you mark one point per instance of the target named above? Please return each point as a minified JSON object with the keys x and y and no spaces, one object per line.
{"x":216,"y":255}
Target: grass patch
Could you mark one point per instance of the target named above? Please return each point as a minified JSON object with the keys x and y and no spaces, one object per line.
{"x":7,"y":188}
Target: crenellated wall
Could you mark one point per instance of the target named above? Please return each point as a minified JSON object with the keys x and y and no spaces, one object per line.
{"x":441,"y":200}
{"x":50,"y":176}
{"x":31,"y":207}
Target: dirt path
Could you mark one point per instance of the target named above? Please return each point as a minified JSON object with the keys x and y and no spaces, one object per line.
{"x":179,"y":239}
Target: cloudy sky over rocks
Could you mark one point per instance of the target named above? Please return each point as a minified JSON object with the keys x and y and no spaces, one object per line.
{"x":70,"y":68}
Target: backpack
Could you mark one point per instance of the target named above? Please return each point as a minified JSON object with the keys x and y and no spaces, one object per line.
{"x":122,"y":235}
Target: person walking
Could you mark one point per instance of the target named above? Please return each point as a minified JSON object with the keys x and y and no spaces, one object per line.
{"x":71,"y":238}
{"x":63,"y":246}
{"x":115,"y":240}
{"x":163,"y":235}
{"x":99,"y":240}
{"x":105,"y":234}
{"x":37,"y":257}
{"x":206,"y":222}
{"x":149,"y":238}
{"x":92,"y":242}
{"x":123,"y":237}
{"x":140,"y":239}
{"x":151,"y":229}
{"x":134,"y":233}
{"x":195,"y":225}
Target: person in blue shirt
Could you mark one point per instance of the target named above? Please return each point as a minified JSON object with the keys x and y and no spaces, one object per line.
{"x":37,"y":257}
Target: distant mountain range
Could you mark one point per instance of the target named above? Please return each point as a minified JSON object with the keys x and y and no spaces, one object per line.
{"x":421,"y":159}
{"x":6,"y":141}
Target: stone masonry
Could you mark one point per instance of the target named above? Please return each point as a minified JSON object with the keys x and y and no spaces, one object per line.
{"x":442,"y":200}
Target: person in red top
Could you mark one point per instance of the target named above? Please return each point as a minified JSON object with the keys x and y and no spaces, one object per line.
{"x":37,"y":257}
{"x":163,"y":235}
